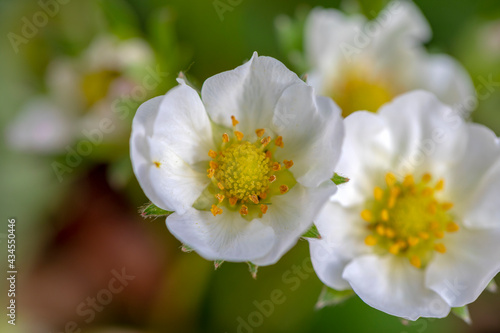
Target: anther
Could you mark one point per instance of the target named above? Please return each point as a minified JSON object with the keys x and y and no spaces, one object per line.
{"x":244,"y":210}
{"x":216,"y":210}
{"x":288,"y":164}
{"x":279,"y":142}
{"x":283,"y":189}
{"x":235,"y":122}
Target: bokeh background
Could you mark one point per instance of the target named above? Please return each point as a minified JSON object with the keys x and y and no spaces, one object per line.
{"x":78,"y":224}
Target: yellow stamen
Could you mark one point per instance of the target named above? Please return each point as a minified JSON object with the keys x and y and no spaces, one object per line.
{"x":390,"y":179}
{"x":220,"y":186}
{"x":384,"y":215}
{"x":269,"y":155}
{"x":394,"y":248}
{"x":212,"y":153}
{"x":378,"y":193}
{"x":233,"y":201}
{"x":423,"y":235}
{"x":439,"y":234}
{"x":216,"y":210}
{"x":213,"y":165}
{"x":263,"y":195}
{"x":272,"y":178}
{"x":235,"y":122}
{"x":279,"y":142}
{"x":452,"y":227}
{"x":380,"y":229}
{"x":276,"y":166}
{"x":244,"y":210}
{"x":440,"y":185}
{"x":157,"y":164}
{"x":288,"y":164}
{"x":412,"y":241}
{"x":239,"y":135}
{"x":260,"y":132}
{"x":447,"y":206}
{"x":426,"y":178}
{"x":415,"y":261}
{"x":283,"y":189}
{"x":254,"y":198}
{"x":263,"y":209}
{"x":366,"y":215}
{"x":428,"y":192}
{"x":210,"y":172}
{"x":390,"y":233}
{"x":265,"y":141}
{"x":408,"y":181}
{"x":439,"y":247}
{"x":370,"y":240}
{"x":220,"y":197}
{"x":225,"y":138}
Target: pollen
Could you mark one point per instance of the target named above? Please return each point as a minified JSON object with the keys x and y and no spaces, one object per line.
{"x":253,"y":198}
{"x":260,"y":132}
{"x":212,"y":153}
{"x":220,"y":197}
{"x":283,"y":189}
{"x":234,"y":121}
{"x":244,"y":210}
{"x":279,"y":142}
{"x":239,"y":135}
{"x":288,"y":164}
{"x":216,"y":210}
{"x":265,"y":141}
{"x":276,"y":166}
{"x":406,"y":218}
{"x":263,"y":209}
{"x":225,"y":138}
{"x":157,"y":164}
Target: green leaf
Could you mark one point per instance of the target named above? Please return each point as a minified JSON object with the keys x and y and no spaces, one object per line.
{"x":151,"y":210}
{"x":492,"y":287}
{"x":252,"y":268}
{"x":186,"y":248}
{"x":218,"y":263}
{"x":338,"y":180}
{"x":312,"y":233}
{"x":462,"y":313}
{"x":329,"y":297}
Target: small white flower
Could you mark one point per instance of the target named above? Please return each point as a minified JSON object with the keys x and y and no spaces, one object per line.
{"x":246,"y":167}
{"x":417,"y":229}
{"x":363,"y":64}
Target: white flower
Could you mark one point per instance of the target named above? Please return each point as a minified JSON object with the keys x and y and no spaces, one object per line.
{"x":363,"y":64}
{"x":246,"y":167}
{"x":417,"y":229}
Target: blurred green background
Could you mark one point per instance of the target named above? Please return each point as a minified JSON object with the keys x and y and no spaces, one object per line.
{"x":73,"y":232}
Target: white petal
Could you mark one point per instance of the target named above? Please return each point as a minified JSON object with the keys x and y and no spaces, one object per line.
{"x":312,"y":130}
{"x":467,"y":175}
{"x":427,"y":134}
{"x":327,"y":31}
{"x":463,"y":272}
{"x":174,"y":185}
{"x":342,"y":239}
{"x":249,"y":92}
{"x":484,"y":209}
{"x":446,"y":78}
{"x":392,"y":285}
{"x":183,"y":125}
{"x":226,"y":237}
{"x":365,"y":158}
{"x":292,"y":214}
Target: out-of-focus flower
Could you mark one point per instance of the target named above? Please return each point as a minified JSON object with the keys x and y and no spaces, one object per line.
{"x":363,"y":64}
{"x":417,"y":229}
{"x":246,"y":167}
{"x":81,"y":92}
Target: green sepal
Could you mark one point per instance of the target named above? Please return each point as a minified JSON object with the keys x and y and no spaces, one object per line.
{"x":218,"y":263}
{"x":312,"y":233}
{"x":330,"y":297}
{"x":151,"y":210}
{"x":338,"y":180}
{"x":252,"y":268}
{"x":462,"y":313}
{"x":186,"y":248}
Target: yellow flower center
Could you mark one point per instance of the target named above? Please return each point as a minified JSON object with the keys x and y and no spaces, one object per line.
{"x":406,"y":219}
{"x":358,"y":91}
{"x":245,"y":176}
